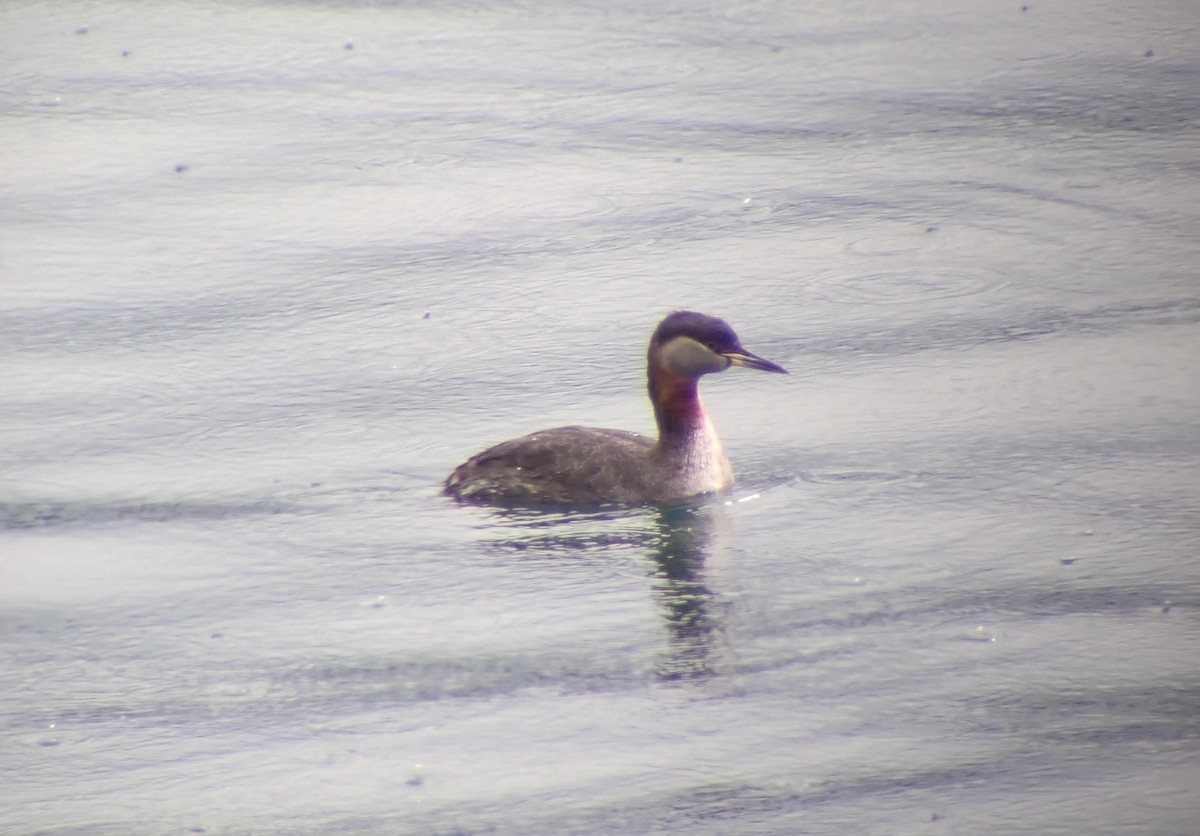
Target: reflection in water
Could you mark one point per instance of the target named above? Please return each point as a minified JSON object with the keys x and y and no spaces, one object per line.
{"x":686,"y":546}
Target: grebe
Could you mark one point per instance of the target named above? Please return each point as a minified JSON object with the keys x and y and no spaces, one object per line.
{"x":586,"y":465}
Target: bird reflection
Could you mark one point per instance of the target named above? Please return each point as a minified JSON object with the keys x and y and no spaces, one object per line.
{"x":687,"y":549}
{"x":685,"y":546}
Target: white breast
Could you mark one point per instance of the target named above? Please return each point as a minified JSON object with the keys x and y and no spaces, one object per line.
{"x":700,"y":464}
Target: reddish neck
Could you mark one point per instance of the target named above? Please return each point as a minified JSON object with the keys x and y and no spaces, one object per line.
{"x":677,"y":406}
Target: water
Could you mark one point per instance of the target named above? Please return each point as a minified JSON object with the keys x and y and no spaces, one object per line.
{"x":271,"y":270}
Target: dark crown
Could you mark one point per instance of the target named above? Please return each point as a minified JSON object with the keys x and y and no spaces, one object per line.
{"x":708,"y":330}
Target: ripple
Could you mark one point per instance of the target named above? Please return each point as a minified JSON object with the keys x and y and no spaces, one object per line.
{"x":891,"y":244}
{"x":52,"y":737}
{"x":857,"y":477}
{"x":912,"y":286}
{"x":49,"y":514}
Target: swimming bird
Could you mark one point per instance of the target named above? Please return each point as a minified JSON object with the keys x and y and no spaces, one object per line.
{"x":592,"y":466}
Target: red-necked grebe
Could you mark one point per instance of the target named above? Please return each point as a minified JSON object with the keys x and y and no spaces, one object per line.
{"x":586,"y":465}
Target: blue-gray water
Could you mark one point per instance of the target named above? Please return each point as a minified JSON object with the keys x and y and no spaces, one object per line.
{"x":269,"y":270}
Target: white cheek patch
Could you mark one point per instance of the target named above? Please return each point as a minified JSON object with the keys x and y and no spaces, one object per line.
{"x":688,"y":358}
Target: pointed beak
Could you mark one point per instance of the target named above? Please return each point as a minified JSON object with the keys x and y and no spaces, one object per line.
{"x":742,"y":357}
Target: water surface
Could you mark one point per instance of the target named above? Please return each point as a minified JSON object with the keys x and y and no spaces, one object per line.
{"x":270,"y":270}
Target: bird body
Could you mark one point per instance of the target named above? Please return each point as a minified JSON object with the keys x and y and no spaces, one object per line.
{"x":586,"y":465}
